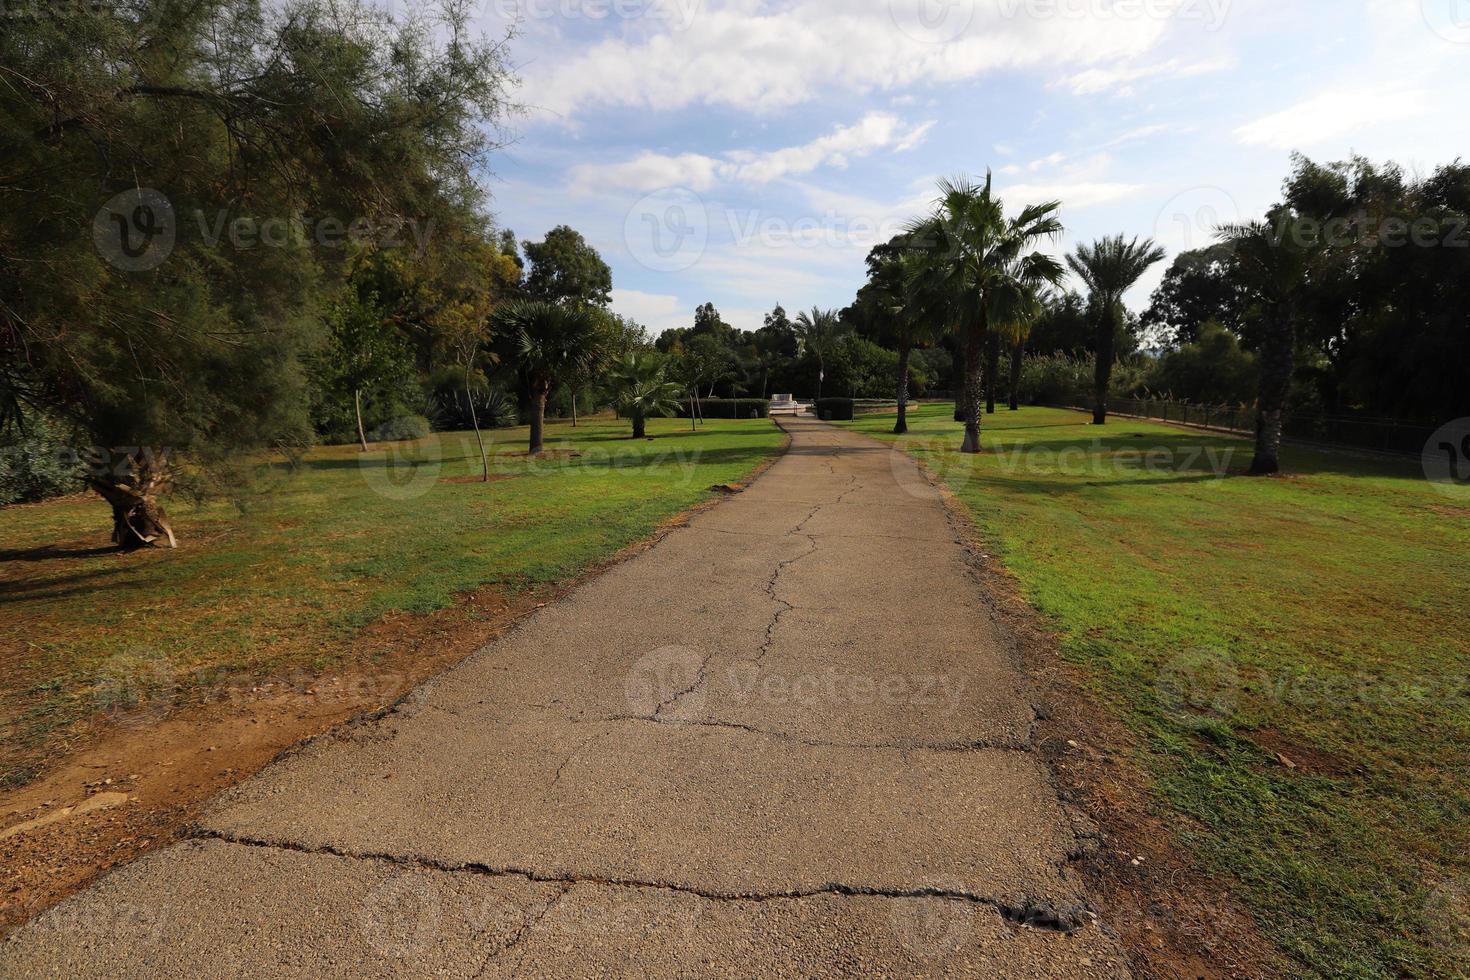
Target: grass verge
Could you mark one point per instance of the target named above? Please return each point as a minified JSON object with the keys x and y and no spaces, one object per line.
{"x":281,"y":580}
{"x":1287,"y":650}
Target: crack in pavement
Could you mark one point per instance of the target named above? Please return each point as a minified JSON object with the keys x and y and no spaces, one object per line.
{"x":520,"y":934}
{"x":770,"y":590}
{"x":976,"y":745}
{"x":1037,"y":914}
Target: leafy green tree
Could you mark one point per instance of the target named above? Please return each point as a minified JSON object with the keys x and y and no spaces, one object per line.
{"x":566,"y":269}
{"x":1275,"y":258}
{"x":986,"y":269}
{"x":642,"y":389}
{"x":1200,"y":286}
{"x":366,"y":353}
{"x":1109,"y":267}
{"x":553,"y":341}
{"x":139,"y":139}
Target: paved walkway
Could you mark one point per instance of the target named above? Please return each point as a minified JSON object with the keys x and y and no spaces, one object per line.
{"x":784,"y":742}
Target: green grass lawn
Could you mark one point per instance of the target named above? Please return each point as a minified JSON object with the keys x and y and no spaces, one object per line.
{"x":282,"y":578}
{"x":1231,"y":620}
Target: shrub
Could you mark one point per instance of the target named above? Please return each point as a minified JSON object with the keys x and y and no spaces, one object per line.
{"x":835,"y":409}
{"x":730,"y":408}
{"x":1057,"y":379}
{"x":38,"y":465}
{"x":401,"y":429}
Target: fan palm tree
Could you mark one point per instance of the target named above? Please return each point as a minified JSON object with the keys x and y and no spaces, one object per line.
{"x":817,"y":330}
{"x":642,"y":388}
{"x":1014,"y":331}
{"x":1109,"y":267}
{"x":553,"y":342}
{"x":905,"y":289}
{"x":986,"y":269}
{"x":1275,"y":260}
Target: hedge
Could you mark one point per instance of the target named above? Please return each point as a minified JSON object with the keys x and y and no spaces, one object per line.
{"x":726,"y":408}
{"x":834,"y":409}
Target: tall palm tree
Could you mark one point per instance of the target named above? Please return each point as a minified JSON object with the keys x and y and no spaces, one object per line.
{"x":1014,"y":331}
{"x":643,"y":389}
{"x":987,"y":270}
{"x":1109,"y":267}
{"x":1275,"y":260}
{"x":817,"y":330}
{"x":553,"y":342}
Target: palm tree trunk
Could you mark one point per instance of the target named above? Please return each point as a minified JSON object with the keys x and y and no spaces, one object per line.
{"x":693,"y":419}
{"x":475,"y":421}
{"x":957,"y":375}
{"x":1103,"y":372}
{"x":357,"y":406}
{"x":538,"y":418}
{"x":974,"y":363}
{"x":574,"y":408}
{"x":1278,"y":363}
{"x":992,"y":368}
{"x":765,"y":382}
{"x":821,"y":375}
{"x":902,"y":425}
{"x":1018,"y":354}
{"x":640,"y":424}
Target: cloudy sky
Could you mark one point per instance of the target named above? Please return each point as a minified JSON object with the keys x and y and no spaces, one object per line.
{"x":749,"y":152}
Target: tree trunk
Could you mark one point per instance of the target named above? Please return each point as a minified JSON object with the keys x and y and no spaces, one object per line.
{"x":1103,"y":374}
{"x":131,"y":481}
{"x":974,"y":363}
{"x":475,"y":421}
{"x":765,"y":381}
{"x":1278,"y":363}
{"x":357,"y":404}
{"x":821,"y":375}
{"x":1018,"y":354}
{"x":693,"y":419}
{"x":640,"y":424}
{"x":539,"y":394}
{"x":957,"y":378}
{"x":992,"y":368}
{"x":574,"y":408}
{"x":902,"y":425}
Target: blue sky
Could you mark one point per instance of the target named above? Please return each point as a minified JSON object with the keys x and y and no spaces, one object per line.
{"x":749,"y":152}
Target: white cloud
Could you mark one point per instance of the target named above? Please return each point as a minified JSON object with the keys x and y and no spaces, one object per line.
{"x":1331,"y":114}
{"x":769,"y":55}
{"x":1095,"y":80}
{"x":653,"y":171}
{"x":657,"y":312}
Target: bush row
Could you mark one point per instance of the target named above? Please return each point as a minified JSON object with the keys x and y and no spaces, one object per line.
{"x":834,"y":409}
{"x":730,"y":408}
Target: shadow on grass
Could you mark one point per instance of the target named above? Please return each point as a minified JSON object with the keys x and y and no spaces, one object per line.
{"x":53,"y":553}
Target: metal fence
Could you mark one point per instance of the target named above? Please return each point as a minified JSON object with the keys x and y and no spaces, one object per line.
{"x":1379,"y":435}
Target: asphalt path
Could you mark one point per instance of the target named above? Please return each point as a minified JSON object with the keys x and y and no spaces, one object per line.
{"x":788,"y":740}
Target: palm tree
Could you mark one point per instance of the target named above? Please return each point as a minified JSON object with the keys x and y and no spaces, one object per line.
{"x":643,"y":388}
{"x":553,"y":342}
{"x":986,"y":269}
{"x":816,"y":331}
{"x":1109,"y":267}
{"x":1014,"y":331}
{"x":911,"y":308}
{"x":1275,"y":260}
